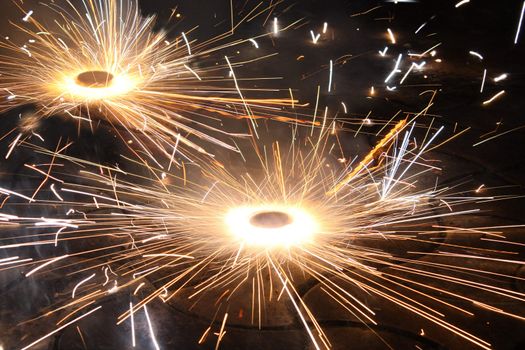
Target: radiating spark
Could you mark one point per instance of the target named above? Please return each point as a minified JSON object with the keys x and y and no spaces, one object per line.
{"x":483,"y":80}
{"x":420,"y":27}
{"x":186,"y":42}
{"x":331,"y":72}
{"x":80,"y":283}
{"x":275,"y":26}
{"x":27,"y":16}
{"x":474,"y":53}
{"x":392,"y":37}
{"x":254,"y":43}
{"x":519,"y":24}
{"x":396,"y":68}
{"x":490,"y":100}
{"x":315,"y":37}
{"x":150,"y":327}
{"x":193,"y":72}
{"x":500,"y":77}
{"x":383,"y":53}
{"x":325,"y":27}
{"x":132,"y":317}
{"x":38,"y":268}
{"x":461,"y":3}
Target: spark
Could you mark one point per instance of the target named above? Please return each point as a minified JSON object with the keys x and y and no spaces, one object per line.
{"x":461,"y":3}
{"x":55,"y":192}
{"x":254,"y":43}
{"x":330,"y":76}
{"x":61,"y":327}
{"x":80,"y":283}
{"x":483,"y":80}
{"x":396,"y":68}
{"x":315,"y":38}
{"x":132,"y":317}
{"x":500,"y":77}
{"x":38,"y":268}
{"x":150,"y":327}
{"x":383,"y":53}
{"x":420,"y":27}
{"x":27,"y":16}
{"x":325,"y":27}
{"x":192,"y":72}
{"x":519,"y":24}
{"x":474,"y":53}
{"x":344,"y":107}
{"x":490,"y":100}
{"x":187,"y":43}
{"x":392,"y":37}
{"x":275,"y":26}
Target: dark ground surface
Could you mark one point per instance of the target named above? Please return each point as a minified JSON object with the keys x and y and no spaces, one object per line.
{"x":487,"y":27}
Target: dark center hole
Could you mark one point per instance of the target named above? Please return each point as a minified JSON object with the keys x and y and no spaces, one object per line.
{"x":95,"y":79}
{"x":271,"y":219}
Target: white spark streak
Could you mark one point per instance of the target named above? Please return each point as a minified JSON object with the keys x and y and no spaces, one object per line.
{"x":396,"y":68}
{"x":275,"y":26}
{"x":193,"y":72}
{"x":187,"y":43}
{"x":462,"y":2}
{"x":61,"y":327}
{"x":46,"y":264}
{"x":519,"y":24}
{"x":80,"y":283}
{"x":494,"y":97}
{"x":420,"y":27}
{"x":315,"y":38}
{"x":254,"y":43}
{"x":55,"y":192}
{"x":500,"y":77}
{"x":383,"y":53}
{"x":27,"y":16}
{"x":132,"y":324}
{"x":474,"y":53}
{"x":392,"y":37}
{"x":483,"y":81}
{"x":330,"y":76}
{"x":325,"y":27}
{"x":153,"y":339}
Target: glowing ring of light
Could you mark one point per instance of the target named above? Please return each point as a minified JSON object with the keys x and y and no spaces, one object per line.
{"x":294,"y":226}
{"x":118,"y":85}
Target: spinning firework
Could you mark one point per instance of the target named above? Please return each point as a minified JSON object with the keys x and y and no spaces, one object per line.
{"x":102,"y":59}
{"x":303,"y":212}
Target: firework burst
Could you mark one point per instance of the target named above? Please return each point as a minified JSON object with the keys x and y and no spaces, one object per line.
{"x":103,"y":60}
{"x":301,"y":211}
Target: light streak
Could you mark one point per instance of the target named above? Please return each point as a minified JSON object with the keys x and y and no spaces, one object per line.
{"x":474,"y":53}
{"x":275,"y":26}
{"x":331,"y":72}
{"x":150,"y":327}
{"x":519,"y":24}
{"x":40,"y":267}
{"x":493,"y":98}
{"x":187,"y":43}
{"x":396,"y":68}
{"x":27,"y":16}
{"x":61,"y":327}
{"x":483,"y":80}
{"x":132,"y":317}
{"x":461,"y":3}
{"x":500,"y":77}
{"x":392,"y":37}
{"x":80,"y":283}
{"x":315,"y":37}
